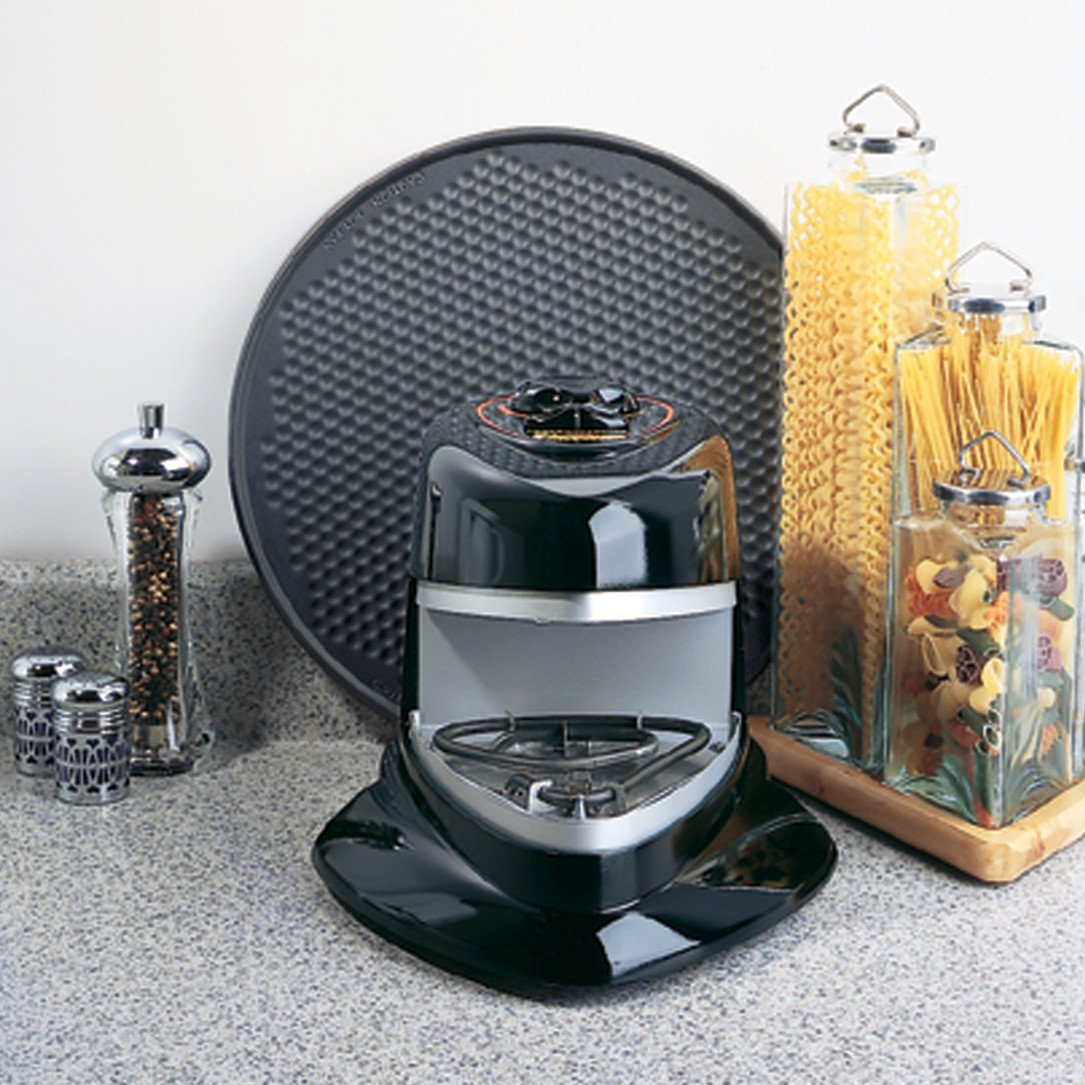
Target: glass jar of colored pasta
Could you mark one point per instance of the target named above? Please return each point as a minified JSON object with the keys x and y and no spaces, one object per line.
{"x":980,"y":713}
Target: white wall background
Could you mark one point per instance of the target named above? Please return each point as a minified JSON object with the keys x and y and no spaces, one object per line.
{"x":158,"y":160}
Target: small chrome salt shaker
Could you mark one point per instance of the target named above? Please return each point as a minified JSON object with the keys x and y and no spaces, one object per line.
{"x":92,"y":757}
{"x":150,"y":474}
{"x":33,"y":674}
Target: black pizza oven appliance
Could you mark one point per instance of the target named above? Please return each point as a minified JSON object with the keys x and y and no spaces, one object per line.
{"x":572,"y":798}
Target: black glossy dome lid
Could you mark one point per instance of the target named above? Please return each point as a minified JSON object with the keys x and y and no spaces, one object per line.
{"x":574,"y":486}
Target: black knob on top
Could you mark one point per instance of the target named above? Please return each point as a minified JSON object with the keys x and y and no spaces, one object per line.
{"x":577,"y":404}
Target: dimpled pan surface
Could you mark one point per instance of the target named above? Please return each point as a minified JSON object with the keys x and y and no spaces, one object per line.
{"x":461,"y":272}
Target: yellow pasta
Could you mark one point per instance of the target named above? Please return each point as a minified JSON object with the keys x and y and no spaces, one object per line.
{"x":975,"y":375}
{"x":860,"y":269}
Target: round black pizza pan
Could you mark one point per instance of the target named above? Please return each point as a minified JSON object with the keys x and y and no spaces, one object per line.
{"x":456,"y":274}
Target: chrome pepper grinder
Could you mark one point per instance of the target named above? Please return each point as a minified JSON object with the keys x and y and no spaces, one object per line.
{"x":150,"y":474}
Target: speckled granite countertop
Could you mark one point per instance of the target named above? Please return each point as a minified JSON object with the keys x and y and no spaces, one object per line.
{"x":183,"y":936}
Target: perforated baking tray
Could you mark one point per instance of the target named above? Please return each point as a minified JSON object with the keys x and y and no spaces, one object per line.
{"x":459,"y":273}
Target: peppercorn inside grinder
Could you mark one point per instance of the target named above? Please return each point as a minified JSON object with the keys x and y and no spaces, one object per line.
{"x":572,"y":798}
{"x":150,"y":475}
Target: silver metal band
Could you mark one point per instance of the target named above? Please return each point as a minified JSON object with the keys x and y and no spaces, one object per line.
{"x":578,"y":607}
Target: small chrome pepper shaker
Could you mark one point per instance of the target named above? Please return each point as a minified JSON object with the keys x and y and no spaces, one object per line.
{"x":92,"y":758}
{"x":34,"y":672}
{"x":150,"y":474}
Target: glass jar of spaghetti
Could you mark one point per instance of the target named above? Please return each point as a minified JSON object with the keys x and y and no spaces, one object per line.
{"x":150,"y":500}
{"x":980,"y":709}
{"x":866,"y":249}
{"x":984,"y":365}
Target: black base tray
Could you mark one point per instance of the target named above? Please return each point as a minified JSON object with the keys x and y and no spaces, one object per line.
{"x":387,"y":863}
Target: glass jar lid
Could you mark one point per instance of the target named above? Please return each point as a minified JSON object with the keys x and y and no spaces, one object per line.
{"x":976,"y":299}
{"x":856,"y":138}
{"x":985,"y":485}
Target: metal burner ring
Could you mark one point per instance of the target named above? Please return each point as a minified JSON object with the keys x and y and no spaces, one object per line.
{"x":636,"y":744}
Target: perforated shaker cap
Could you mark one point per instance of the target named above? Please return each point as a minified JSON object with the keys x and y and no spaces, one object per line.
{"x":46,"y":664}
{"x":94,"y":701}
{"x":151,"y":458}
{"x":36,"y":669}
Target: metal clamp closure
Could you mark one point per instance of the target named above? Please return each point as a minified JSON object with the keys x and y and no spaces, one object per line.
{"x":967,"y":472}
{"x":905,"y":131}
{"x":1017,"y":286}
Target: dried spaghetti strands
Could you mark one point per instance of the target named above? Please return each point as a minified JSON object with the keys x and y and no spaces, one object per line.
{"x":967,"y":378}
{"x":864,"y":253}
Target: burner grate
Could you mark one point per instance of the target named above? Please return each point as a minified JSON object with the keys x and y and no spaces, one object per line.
{"x":579,"y":766}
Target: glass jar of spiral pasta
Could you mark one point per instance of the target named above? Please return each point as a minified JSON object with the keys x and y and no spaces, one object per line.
{"x":150,"y":500}
{"x":983,"y":610}
{"x":866,"y":247}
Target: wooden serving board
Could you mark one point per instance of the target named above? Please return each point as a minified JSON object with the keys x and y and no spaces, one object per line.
{"x":992,"y":855}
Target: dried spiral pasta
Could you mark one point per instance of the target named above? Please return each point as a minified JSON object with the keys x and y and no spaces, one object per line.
{"x":859,"y":272}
